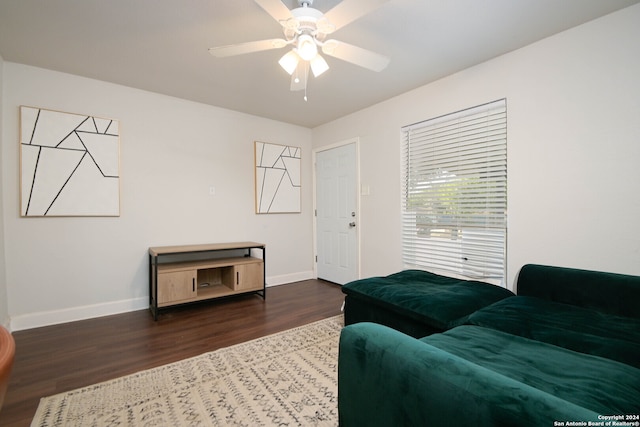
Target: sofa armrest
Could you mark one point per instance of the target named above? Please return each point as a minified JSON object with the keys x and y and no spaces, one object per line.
{"x":607,"y":292}
{"x":388,"y":378}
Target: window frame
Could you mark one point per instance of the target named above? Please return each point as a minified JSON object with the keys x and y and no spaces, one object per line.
{"x":454,"y":193}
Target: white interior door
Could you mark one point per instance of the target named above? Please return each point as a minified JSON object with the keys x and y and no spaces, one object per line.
{"x":336,"y":215}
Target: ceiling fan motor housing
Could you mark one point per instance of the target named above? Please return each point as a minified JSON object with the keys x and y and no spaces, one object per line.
{"x":307,"y":20}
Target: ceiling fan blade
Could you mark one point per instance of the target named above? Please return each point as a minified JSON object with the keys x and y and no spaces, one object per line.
{"x":348,"y":11}
{"x":249,"y":47}
{"x":275,"y":8}
{"x":355,"y":55}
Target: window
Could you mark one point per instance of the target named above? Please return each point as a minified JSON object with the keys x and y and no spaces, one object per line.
{"x":454,"y":193}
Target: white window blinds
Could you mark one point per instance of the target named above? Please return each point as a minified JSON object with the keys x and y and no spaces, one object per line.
{"x":454,"y":193}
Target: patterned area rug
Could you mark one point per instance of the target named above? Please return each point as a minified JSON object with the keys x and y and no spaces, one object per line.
{"x":285,"y":379}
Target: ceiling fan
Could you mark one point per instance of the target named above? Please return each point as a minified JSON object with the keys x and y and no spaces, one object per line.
{"x":306,"y":30}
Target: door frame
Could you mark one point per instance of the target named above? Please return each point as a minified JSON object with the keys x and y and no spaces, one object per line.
{"x":315,"y":151}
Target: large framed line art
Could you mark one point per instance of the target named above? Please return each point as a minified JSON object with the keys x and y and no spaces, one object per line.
{"x":277,"y":178}
{"x":69,"y":164}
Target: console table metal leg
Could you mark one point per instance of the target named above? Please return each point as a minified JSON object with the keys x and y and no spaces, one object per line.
{"x":264,"y":274}
{"x":153,"y":286}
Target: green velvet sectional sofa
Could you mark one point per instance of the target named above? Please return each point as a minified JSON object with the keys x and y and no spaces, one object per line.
{"x":564,"y":351}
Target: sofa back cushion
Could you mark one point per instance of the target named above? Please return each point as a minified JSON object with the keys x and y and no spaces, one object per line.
{"x":576,"y":328}
{"x":607,"y":292}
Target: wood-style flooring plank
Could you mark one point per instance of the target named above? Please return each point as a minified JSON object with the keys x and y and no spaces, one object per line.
{"x":59,"y":358}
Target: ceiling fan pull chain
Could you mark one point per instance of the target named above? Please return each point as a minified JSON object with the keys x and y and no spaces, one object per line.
{"x":306,"y":80}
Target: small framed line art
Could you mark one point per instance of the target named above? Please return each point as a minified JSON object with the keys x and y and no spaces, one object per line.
{"x":277,"y":178}
{"x":69,"y":164}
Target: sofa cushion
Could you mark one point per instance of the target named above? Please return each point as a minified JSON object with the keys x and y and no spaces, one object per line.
{"x":606,"y":292}
{"x":576,"y":328}
{"x":386,"y":378}
{"x":601,"y":385}
{"x":438,"y":301}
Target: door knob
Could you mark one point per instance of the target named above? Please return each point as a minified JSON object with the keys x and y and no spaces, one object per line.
{"x":352,"y":224}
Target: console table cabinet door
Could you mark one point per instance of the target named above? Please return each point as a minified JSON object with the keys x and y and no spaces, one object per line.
{"x":176,"y":286}
{"x":249,"y":276}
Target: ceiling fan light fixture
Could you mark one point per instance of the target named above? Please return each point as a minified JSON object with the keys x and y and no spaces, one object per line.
{"x":318,"y":65}
{"x":307,"y":48}
{"x":305,"y":31}
{"x":289,"y":61}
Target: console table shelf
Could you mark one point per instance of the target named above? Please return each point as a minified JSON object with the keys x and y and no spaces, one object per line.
{"x":184,"y":274}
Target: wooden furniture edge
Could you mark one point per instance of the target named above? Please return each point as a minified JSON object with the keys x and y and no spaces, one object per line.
{"x":179,"y":249}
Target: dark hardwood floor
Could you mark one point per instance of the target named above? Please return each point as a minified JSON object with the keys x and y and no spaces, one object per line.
{"x":60,"y":358}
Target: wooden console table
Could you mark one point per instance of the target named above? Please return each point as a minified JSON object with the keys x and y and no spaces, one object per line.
{"x":184,"y":274}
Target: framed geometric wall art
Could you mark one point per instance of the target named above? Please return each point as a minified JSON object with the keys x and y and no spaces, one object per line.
{"x":277,"y":178}
{"x":69,"y":164}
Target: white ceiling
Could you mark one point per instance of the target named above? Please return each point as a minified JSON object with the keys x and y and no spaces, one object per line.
{"x":161,"y":46}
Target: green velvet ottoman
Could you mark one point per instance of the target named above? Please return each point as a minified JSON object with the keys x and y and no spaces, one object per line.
{"x":416,"y":302}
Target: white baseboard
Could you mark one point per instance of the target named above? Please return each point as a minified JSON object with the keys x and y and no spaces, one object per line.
{"x":72,"y":314}
{"x":54,"y":317}
{"x":289,"y":278}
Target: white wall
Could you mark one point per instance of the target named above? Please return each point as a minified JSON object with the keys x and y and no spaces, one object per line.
{"x":172,"y":151}
{"x":574,"y":196}
{"x":573,"y":149}
{"x":4,"y":307}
